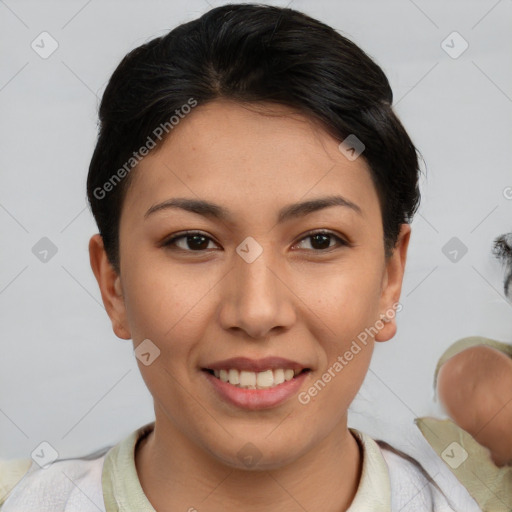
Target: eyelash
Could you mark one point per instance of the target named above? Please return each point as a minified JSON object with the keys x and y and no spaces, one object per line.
{"x":171,"y":241}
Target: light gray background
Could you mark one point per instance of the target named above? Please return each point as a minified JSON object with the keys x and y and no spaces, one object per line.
{"x":64,"y":376}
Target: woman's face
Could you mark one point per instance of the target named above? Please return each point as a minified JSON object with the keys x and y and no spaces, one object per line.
{"x":254,"y":283}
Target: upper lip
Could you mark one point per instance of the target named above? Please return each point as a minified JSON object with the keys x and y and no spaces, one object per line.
{"x":256,"y":365}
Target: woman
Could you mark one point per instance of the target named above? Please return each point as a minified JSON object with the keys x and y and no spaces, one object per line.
{"x":253,"y":191}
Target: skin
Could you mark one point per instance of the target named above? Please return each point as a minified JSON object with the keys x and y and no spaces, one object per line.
{"x":295,"y":301}
{"x":475,"y":387}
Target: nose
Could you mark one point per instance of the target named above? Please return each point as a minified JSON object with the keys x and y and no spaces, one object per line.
{"x":258,"y":297}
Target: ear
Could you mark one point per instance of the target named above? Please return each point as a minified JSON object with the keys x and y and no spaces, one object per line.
{"x":392,"y":284}
{"x":110,"y":286}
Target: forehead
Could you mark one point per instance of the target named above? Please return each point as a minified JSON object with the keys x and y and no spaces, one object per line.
{"x":259,"y":156}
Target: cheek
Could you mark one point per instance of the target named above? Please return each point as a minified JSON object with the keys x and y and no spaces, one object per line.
{"x":170,"y":307}
{"x":164,"y":302}
{"x":345,"y":308}
{"x":346,"y":296}
{"x":329,"y":394}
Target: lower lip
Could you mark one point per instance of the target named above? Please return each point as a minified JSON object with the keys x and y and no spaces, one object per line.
{"x":255,"y":399}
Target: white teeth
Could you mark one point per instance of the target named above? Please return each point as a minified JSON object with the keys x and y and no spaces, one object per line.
{"x":247,"y":379}
{"x":234,"y":376}
{"x":256,"y":380}
{"x":288,"y":374}
{"x":265,"y":379}
{"x":278,"y":376}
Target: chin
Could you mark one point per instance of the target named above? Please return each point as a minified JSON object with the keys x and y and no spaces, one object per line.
{"x":257,"y":453}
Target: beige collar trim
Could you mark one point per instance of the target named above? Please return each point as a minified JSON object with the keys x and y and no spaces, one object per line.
{"x":122,"y":491}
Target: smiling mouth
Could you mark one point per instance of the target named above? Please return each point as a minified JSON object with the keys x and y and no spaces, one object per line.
{"x":256,"y":380}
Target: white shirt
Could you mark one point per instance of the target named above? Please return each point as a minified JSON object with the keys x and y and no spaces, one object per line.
{"x":109,"y":483}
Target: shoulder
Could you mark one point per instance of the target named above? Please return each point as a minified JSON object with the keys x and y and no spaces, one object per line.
{"x":64,"y":483}
{"x":394,"y":481}
{"x":11,"y":472}
{"x":414,"y":490}
{"x":81,"y":483}
{"x":410,"y":488}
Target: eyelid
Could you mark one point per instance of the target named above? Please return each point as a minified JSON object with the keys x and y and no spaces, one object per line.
{"x":342,"y":242}
{"x":170,"y":241}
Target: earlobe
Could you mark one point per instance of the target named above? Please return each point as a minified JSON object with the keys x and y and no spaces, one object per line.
{"x":110,"y":286}
{"x":392,"y":287}
{"x":387,"y":332}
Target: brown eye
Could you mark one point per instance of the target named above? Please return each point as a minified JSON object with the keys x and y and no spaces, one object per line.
{"x":321,"y":240}
{"x":195,"y":241}
{"x":190,"y":242}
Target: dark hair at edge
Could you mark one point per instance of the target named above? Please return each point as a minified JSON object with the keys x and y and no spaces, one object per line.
{"x":254,"y":53}
{"x":502,"y":249}
{"x":250,"y":54}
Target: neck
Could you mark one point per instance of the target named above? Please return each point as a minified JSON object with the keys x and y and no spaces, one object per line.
{"x":176,"y":474}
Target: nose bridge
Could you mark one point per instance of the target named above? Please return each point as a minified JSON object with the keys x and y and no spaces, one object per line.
{"x":255,"y":274}
{"x":259,"y":299}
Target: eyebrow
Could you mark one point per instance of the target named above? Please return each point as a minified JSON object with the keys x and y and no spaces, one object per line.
{"x":215,"y":211}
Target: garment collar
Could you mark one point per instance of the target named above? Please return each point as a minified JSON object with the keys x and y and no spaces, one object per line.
{"x":123,"y":492}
